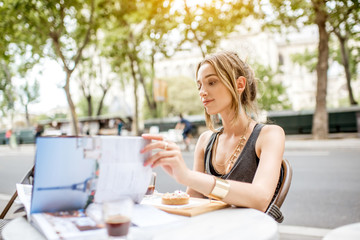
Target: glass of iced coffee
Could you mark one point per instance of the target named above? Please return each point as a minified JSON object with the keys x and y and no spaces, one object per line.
{"x":117,"y":217}
{"x":151,"y":187}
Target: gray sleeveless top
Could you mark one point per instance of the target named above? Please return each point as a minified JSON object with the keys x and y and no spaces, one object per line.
{"x":245,"y":166}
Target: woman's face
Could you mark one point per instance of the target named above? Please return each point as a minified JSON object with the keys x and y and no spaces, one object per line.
{"x":214,"y":95}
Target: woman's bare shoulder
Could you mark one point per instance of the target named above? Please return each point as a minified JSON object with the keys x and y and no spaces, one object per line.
{"x":204,"y":139}
{"x":272,"y":129}
{"x":205,"y":136}
{"x":270,"y":132}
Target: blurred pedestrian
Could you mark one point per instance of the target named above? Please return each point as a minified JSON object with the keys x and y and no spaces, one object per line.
{"x":39,"y":131}
{"x":186,"y":126}
{"x":8,"y":136}
{"x":120,"y":124}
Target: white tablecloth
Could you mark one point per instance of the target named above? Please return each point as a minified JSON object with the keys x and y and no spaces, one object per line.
{"x":229,"y":223}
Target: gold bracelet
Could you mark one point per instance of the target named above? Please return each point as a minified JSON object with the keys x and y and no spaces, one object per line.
{"x":220,"y":190}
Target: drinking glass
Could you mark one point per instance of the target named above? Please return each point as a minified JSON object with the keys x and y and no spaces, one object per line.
{"x":151,"y":187}
{"x":117,"y":217}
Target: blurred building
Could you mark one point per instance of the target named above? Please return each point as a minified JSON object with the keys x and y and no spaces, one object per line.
{"x":273,"y":50}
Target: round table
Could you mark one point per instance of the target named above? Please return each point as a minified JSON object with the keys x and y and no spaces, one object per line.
{"x":229,"y":223}
{"x":348,"y":232}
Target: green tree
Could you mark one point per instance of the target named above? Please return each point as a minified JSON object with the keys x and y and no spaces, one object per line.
{"x":272,"y":94}
{"x":7,"y":96}
{"x":307,"y":59}
{"x":181,"y":92}
{"x":93,"y":81}
{"x":135,"y":32}
{"x":66,"y":25}
{"x":344,"y":20}
{"x":206,"y":24}
{"x":17,"y":57}
{"x":82,"y":106}
{"x":296,"y":14}
{"x":29,"y":93}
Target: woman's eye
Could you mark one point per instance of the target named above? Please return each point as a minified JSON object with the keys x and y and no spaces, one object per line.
{"x":211,"y":83}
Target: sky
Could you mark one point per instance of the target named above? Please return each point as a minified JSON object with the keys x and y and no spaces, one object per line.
{"x":52,"y":94}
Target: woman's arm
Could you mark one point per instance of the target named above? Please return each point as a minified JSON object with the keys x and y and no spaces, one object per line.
{"x":257,"y":195}
{"x":198,"y":164}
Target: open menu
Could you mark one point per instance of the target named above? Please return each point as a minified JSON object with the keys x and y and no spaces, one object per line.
{"x":72,"y":173}
{"x":79,"y":224}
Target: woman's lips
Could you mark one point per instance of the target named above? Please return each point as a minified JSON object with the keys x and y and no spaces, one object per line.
{"x":206,"y":102}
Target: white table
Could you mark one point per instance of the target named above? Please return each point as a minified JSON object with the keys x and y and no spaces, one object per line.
{"x":348,"y":232}
{"x":229,"y":223}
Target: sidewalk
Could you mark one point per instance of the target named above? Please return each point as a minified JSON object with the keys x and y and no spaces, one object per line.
{"x":302,"y":142}
{"x":287,"y":232}
{"x":341,"y":141}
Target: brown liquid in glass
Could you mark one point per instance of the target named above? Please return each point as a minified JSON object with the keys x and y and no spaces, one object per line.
{"x":118,"y":225}
{"x":150,"y":190}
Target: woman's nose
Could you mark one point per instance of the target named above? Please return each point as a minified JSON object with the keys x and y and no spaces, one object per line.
{"x":202,"y":92}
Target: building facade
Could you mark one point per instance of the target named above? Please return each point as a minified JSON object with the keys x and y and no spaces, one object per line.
{"x":276,"y":51}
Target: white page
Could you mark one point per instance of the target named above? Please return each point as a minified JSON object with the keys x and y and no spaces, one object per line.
{"x":24,"y":194}
{"x":147,"y":216}
{"x":122,"y":171}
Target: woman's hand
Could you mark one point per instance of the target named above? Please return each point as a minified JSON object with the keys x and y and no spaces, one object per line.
{"x":169,"y":157}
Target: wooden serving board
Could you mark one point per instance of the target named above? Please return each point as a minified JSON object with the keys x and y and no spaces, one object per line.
{"x":195,"y":207}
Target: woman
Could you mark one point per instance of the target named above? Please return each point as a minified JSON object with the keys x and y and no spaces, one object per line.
{"x":238,"y":163}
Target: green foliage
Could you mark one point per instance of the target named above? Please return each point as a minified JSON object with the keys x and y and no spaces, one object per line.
{"x":271,"y":94}
{"x":182,"y":97}
{"x":135,"y":33}
{"x":206,"y":24}
{"x":29,"y":93}
{"x":307,"y":59}
{"x":285,"y":15}
{"x":82,"y":107}
{"x":7,"y":91}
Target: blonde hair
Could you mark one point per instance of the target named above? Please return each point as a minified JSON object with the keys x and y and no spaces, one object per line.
{"x":229,"y":67}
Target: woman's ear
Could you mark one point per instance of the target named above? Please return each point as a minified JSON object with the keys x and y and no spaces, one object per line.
{"x":240,"y":84}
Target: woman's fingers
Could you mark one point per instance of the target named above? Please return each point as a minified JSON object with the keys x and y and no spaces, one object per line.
{"x":152,"y":136}
{"x":158,"y":156}
{"x":162,"y":161}
{"x":157,"y":145}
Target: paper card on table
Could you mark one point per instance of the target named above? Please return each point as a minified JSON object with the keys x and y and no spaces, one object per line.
{"x":147,"y":216}
{"x":24,"y":194}
{"x":122,"y":171}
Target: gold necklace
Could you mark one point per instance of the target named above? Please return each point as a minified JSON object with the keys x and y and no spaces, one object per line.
{"x":233,"y":157}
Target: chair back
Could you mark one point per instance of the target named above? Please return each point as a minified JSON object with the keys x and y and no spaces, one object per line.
{"x":285,"y":184}
{"x":28,"y":179}
{"x":281,"y":191}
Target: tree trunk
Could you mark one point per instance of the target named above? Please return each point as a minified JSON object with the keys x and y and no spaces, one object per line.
{"x":320,"y":120}
{"x":89,"y":103}
{"x":27,"y":115}
{"x":136,"y":114}
{"x":150,"y":101}
{"x":101,"y":103}
{"x":345,"y":63}
{"x":74,"y":120}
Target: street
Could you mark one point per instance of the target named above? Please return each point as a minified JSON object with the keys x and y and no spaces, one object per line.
{"x":325,"y":190}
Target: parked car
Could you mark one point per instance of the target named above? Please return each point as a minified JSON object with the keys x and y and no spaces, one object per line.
{"x":25,"y":136}
{"x":2,"y":137}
